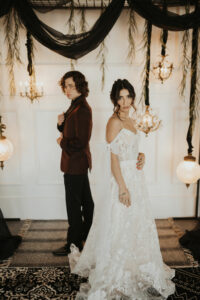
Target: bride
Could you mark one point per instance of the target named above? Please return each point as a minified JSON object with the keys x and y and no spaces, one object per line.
{"x":121,"y":256}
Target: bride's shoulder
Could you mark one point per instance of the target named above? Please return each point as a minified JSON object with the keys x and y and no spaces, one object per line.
{"x":114,"y":121}
{"x":114,"y":125}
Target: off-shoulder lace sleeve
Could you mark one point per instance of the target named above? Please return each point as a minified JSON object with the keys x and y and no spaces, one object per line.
{"x":114,"y":147}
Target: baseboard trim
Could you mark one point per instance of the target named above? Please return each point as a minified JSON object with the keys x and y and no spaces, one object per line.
{"x":186,"y":218}
{"x":175,"y":218}
{"x":12,"y":219}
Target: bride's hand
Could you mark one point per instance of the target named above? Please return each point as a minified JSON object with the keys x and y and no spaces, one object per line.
{"x":124,"y":197}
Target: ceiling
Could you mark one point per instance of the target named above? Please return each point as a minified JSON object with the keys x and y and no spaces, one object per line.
{"x":97,"y":3}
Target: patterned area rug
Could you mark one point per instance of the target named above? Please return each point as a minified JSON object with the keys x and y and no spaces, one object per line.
{"x":41,"y":237}
{"x":58,"y":284}
{"x":38,"y":283}
{"x":187,"y":282}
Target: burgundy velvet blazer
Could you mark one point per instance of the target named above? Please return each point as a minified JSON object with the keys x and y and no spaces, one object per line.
{"x":76,"y":130}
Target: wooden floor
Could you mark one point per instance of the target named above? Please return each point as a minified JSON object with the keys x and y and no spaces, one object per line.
{"x":185,"y":224}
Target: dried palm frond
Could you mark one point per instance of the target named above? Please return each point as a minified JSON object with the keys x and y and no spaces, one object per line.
{"x":131,"y":31}
{"x":83,"y":22}
{"x":10,"y":51}
{"x":146,"y":71}
{"x":16,"y":45}
{"x":102,"y":57}
{"x":185,"y":62}
{"x":12,"y":26}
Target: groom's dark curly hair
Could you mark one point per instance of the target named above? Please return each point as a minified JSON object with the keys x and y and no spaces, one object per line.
{"x":119,"y":85}
{"x":80,"y":82}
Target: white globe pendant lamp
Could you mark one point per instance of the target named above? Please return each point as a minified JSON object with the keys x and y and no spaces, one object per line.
{"x":188,"y":170}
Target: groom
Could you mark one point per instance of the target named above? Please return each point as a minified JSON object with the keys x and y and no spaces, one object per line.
{"x":75,"y":126}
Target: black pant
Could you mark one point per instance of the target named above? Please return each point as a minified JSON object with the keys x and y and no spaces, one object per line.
{"x":80,"y":207}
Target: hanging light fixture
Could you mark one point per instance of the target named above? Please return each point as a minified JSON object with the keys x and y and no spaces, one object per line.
{"x":6,"y":147}
{"x":31,"y":89}
{"x":188,"y":170}
{"x":147,"y":122}
{"x":162,"y":69}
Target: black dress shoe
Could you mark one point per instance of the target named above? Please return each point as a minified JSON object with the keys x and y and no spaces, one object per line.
{"x":63,"y":251}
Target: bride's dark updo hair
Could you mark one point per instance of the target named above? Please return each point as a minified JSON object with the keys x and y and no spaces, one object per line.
{"x":119,"y":85}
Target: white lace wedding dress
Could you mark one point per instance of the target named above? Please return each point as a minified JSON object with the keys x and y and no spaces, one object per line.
{"x":122,"y":257}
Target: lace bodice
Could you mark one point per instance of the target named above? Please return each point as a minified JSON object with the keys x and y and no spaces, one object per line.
{"x":125,"y":145}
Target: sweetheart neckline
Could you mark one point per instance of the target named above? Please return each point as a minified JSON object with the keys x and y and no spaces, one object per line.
{"x":128,"y":130}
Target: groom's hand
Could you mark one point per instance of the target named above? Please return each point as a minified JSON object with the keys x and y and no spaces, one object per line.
{"x":60,"y":138}
{"x":61,"y":118}
{"x":141,"y":161}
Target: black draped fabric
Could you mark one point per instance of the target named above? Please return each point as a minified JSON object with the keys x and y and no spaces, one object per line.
{"x":165,"y":19}
{"x":191,"y":241}
{"x":8,"y":243}
{"x":148,"y":55}
{"x":77,"y":45}
{"x":5,"y":6}
{"x":72,"y":46}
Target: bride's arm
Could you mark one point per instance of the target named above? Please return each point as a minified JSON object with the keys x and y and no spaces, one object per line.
{"x":112,"y":129}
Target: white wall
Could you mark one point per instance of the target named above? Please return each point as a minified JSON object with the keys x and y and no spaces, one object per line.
{"x":31,"y":184}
